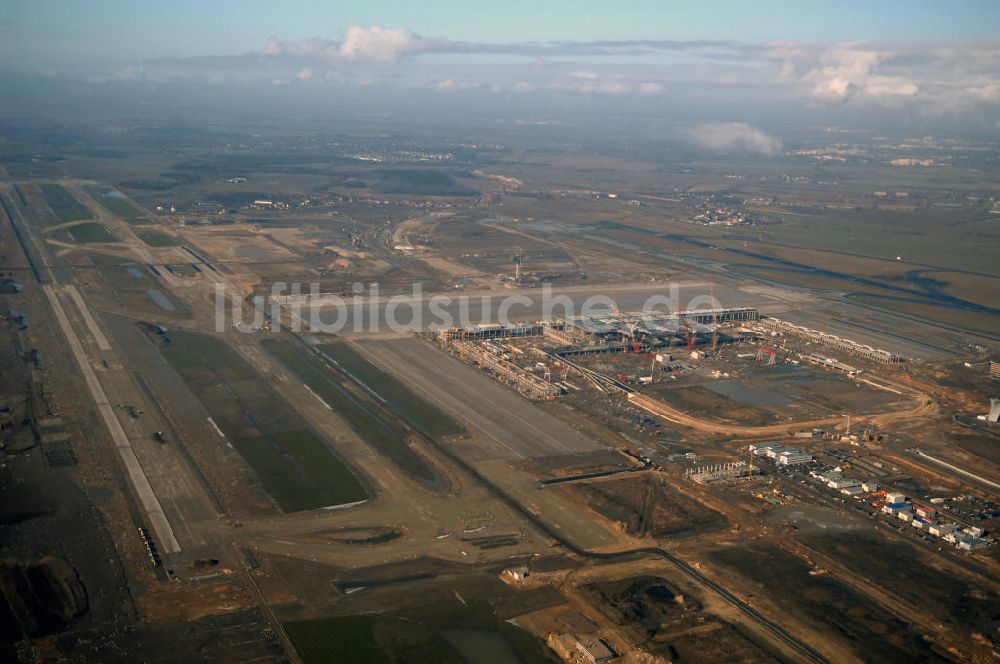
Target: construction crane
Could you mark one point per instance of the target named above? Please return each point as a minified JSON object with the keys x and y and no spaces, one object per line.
{"x":517,"y":259}
{"x":768,"y":353}
{"x":688,"y":333}
{"x":689,"y":337}
{"x":715,"y":319}
{"x":633,"y":341}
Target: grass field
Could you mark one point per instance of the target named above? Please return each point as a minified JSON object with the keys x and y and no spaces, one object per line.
{"x":955,"y":600}
{"x":427,"y":416}
{"x":91,"y":231}
{"x":116,"y":203}
{"x":368,"y":639}
{"x":292,"y":463}
{"x":65,"y":206}
{"x":329,"y":640}
{"x":875,"y":634}
{"x":441,"y":630}
{"x":374,"y":427}
{"x":155,"y":238}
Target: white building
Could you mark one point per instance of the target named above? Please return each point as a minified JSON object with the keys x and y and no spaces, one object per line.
{"x":827,"y":476}
{"x":897,"y":508}
{"x":967,"y":542}
{"x":941,"y":529}
{"x":794,"y":457}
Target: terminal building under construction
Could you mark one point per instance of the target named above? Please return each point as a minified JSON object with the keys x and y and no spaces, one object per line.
{"x":652,"y":329}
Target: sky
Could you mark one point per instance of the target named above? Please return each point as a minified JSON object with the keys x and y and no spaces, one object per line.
{"x":56,"y":32}
{"x":897,"y":59}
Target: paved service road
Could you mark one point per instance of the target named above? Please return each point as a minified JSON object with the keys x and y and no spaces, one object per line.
{"x":144,"y":492}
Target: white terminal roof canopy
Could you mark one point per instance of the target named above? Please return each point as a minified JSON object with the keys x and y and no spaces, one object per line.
{"x":646,"y":322}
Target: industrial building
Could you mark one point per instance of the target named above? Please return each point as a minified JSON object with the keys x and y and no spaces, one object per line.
{"x":966,"y":541}
{"x":502,"y":362}
{"x":785,"y":456}
{"x":794,"y":458}
{"x":865,"y":351}
{"x":596,"y":650}
{"x":720,"y":472}
{"x":490,"y":331}
{"x":483,"y":344}
{"x":831,"y":363}
{"x":646,"y":330}
{"x":941,"y":529}
{"x":767,"y":450}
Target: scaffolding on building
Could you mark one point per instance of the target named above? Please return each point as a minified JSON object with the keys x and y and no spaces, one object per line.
{"x":853,"y":347}
{"x":719,"y":472}
{"x":496,"y":360}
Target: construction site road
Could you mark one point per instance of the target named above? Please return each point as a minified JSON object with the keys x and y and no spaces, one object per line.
{"x":923,"y":407}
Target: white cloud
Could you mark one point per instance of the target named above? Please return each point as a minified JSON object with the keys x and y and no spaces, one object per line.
{"x":451,"y":85}
{"x":592,"y":82}
{"x":987,"y":92}
{"x":131,"y":73}
{"x":379,"y":45}
{"x":735,"y":137}
{"x":371,"y":45}
{"x":315,"y":47}
{"x":931,"y":78}
{"x":839,"y":73}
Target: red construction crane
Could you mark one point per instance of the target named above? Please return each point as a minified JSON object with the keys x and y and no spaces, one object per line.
{"x":688,"y":333}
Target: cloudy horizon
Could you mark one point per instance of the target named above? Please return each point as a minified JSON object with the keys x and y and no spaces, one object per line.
{"x":952,"y":82}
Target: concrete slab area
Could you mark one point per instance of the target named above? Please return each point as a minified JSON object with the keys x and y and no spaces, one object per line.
{"x":483,"y":404}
